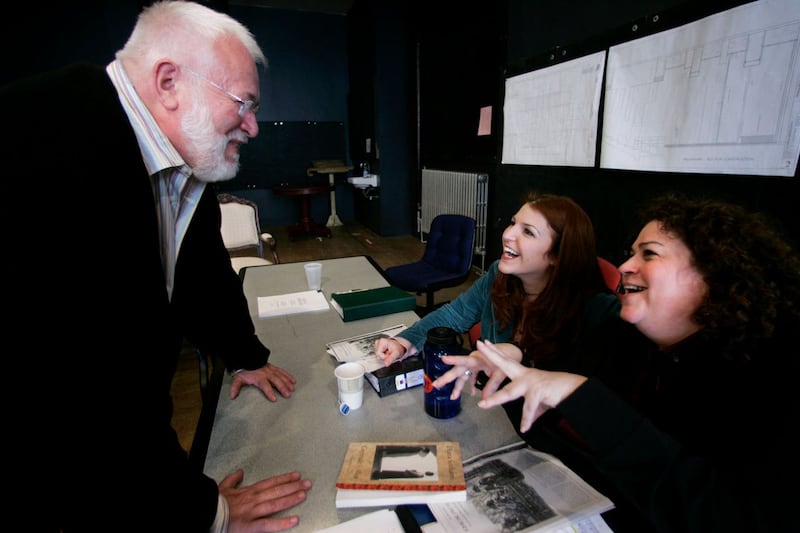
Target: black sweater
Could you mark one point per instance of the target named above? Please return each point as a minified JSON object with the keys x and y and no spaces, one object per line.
{"x":683,"y":440}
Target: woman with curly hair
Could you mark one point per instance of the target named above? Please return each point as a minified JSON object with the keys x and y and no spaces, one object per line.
{"x":686,"y":406}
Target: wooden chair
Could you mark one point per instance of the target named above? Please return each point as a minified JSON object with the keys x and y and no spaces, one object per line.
{"x":241,"y":232}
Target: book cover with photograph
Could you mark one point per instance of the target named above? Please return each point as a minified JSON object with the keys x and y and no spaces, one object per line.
{"x":413,"y":466}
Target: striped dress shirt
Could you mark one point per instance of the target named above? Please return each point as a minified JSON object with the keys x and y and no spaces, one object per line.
{"x":176,"y":191}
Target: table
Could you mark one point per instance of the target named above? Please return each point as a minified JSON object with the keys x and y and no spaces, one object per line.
{"x":331,"y":167}
{"x":306,"y":224}
{"x":306,"y":432}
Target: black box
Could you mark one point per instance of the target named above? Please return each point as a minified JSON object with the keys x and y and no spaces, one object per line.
{"x":398,"y":376}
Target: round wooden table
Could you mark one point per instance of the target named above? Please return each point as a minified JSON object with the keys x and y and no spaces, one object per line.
{"x":306,"y":224}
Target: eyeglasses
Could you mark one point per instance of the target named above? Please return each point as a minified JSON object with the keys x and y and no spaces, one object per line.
{"x":244,"y":105}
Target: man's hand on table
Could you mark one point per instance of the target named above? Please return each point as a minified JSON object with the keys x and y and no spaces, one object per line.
{"x":267,"y":378}
{"x":252,"y":507}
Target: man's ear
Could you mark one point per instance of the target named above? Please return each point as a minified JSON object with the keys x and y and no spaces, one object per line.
{"x":166,"y":81}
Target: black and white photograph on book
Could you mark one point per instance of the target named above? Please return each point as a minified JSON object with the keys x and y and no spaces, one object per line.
{"x":404,"y":462}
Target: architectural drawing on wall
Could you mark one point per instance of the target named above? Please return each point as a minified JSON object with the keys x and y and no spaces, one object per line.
{"x":719,"y":95}
{"x":550,"y":115}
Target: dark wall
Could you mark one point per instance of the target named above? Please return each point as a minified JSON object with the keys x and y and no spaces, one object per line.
{"x":467,"y":52}
{"x":381,"y":48}
{"x":306,"y":79}
{"x":461,"y":66}
{"x":60,"y":33}
{"x":535,"y":29}
{"x":461,"y":62}
{"x":303,"y":91}
{"x":394,"y":95}
{"x":303,"y":116}
{"x":412,"y":76}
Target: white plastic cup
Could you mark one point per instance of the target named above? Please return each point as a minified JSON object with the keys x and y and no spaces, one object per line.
{"x":350,"y":382}
{"x":314,"y":275}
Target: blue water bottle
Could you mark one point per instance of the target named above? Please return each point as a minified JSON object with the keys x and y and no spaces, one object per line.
{"x":440,"y":341}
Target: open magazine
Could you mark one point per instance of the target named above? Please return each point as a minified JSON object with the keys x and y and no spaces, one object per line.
{"x":512,"y":489}
{"x":519,"y":489}
{"x":361,"y":348}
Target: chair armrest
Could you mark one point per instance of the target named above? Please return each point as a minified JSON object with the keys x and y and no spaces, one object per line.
{"x":273,"y":247}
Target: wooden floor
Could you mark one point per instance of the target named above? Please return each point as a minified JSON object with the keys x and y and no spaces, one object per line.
{"x":347,"y":240}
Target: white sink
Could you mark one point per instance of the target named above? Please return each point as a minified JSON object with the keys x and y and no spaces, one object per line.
{"x":362,"y":182}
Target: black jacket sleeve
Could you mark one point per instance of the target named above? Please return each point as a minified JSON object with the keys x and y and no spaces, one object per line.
{"x":208,"y":293}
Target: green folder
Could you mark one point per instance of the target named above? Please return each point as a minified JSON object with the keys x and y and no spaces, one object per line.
{"x":366,"y":303}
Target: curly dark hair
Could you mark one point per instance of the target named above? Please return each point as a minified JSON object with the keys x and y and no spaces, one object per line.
{"x":752,"y":272}
{"x":552,"y":320}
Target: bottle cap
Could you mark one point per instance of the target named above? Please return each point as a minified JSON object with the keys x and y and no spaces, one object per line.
{"x":442,"y":335}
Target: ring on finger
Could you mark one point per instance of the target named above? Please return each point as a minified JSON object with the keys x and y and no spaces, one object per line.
{"x":467,"y":373}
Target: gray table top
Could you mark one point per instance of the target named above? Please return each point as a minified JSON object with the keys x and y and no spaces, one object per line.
{"x":306,"y":432}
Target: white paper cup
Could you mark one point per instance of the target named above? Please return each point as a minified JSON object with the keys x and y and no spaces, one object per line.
{"x":350,"y":381}
{"x":314,"y":275}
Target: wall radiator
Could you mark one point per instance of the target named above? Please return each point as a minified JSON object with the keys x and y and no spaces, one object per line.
{"x":452,"y":192}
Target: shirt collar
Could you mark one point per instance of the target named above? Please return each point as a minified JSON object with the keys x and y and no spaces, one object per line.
{"x":158,"y":153}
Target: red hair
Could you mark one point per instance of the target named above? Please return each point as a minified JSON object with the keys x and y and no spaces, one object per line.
{"x":552,"y":320}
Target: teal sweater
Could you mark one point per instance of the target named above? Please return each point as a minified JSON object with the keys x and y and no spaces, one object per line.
{"x":475,"y":305}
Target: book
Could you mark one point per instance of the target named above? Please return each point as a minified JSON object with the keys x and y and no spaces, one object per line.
{"x":393,"y":473}
{"x":291,"y":303}
{"x":366,"y":303}
{"x":384,"y":520}
{"x":348,"y":498}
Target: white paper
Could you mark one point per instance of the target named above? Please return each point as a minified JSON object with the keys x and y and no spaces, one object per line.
{"x":292,"y":303}
{"x":550,"y":115}
{"x":593,"y":524}
{"x":383,"y":521}
{"x":384,"y":498}
{"x":361,"y":348}
{"x":719,"y":95}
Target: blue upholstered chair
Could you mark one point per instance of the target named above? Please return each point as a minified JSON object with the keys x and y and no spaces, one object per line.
{"x":446,"y":262}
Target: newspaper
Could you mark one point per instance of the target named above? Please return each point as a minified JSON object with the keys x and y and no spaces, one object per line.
{"x":361,"y":348}
{"x":518,"y":489}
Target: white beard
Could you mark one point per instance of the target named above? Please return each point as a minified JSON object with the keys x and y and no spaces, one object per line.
{"x":206,"y":146}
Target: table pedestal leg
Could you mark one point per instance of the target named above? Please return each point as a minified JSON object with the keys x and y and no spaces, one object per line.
{"x":333,"y":219}
{"x":306,"y":224}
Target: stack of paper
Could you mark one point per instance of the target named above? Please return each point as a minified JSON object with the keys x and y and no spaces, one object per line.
{"x":292,"y":303}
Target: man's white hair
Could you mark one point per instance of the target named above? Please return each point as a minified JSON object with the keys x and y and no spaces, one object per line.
{"x":184,"y":32}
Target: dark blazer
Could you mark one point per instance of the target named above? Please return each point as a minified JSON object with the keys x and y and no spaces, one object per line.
{"x":98,"y":339}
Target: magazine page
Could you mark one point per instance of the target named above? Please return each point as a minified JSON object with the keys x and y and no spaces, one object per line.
{"x":361,"y":348}
{"x":519,"y":489}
